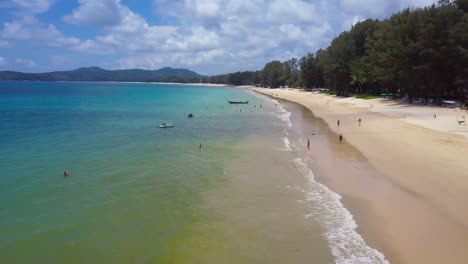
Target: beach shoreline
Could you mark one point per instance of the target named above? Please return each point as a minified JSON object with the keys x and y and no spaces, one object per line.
{"x":413,"y":210}
{"x":168,"y":83}
{"x":196,"y":84}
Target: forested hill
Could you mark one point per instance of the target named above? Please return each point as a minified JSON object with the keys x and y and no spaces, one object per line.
{"x":97,"y":74}
{"x":416,"y":54}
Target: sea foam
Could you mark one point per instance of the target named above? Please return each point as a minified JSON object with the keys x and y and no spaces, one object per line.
{"x":346,"y":244}
{"x":283,"y":114}
{"x":287,"y":144}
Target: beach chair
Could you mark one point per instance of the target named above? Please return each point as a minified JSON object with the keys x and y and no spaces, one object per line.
{"x":461,"y":120}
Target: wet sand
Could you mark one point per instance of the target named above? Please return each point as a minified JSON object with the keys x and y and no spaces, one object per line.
{"x":406,"y":185}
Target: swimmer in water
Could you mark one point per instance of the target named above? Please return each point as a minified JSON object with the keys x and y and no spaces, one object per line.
{"x":65,"y":173}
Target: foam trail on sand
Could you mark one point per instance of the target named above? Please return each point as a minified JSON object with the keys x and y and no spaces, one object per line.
{"x":284,"y":115}
{"x":346,"y":244}
{"x":287,"y":144}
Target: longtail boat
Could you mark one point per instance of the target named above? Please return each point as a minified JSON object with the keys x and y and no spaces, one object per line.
{"x":238,"y":102}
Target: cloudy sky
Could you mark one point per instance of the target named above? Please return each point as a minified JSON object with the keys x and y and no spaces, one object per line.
{"x":208,"y":36}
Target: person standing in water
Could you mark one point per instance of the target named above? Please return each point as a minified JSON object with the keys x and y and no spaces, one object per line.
{"x":65,"y":173}
{"x":199,"y":146}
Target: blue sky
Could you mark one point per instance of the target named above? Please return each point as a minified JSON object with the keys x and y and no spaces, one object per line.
{"x":208,"y":36}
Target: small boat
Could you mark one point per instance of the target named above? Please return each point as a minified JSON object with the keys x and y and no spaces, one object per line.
{"x":166,"y":125}
{"x":190,"y":115}
{"x":238,"y":102}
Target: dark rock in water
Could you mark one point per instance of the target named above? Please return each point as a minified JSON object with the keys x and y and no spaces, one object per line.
{"x":190,"y":115}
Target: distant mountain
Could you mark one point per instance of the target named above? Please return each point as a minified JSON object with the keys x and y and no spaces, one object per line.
{"x":166,"y":74}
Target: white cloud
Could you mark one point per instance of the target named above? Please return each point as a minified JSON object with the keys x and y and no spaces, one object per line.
{"x":33,"y":30}
{"x":131,"y":22}
{"x":15,"y":30}
{"x":106,"y":13}
{"x":379,"y":8}
{"x":251,"y":53}
{"x":220,"y":35}
{"x":100,"y":13}
{"x":204,"y":8}
{"x":203,"y":57}
{"x":292,"y":32}
{"x":4,"y":43}
{"x":416,"y":3}
{"x":25,"y":63}
{"x":242,"y":29}
{"x":373,"y":8}
{"x":351,"y":21}
{"x":56,"y":38}
{"x":174,"y":59}
{"x":91,"y":46}
{"x":168,"y":7}
{"x":292,"y":11}
{"x":33,"y":6}
{"x":3,"y":61}
{"x":198,"y":39}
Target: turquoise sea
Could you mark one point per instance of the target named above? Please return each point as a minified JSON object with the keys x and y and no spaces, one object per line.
{"x":137,"y":193}
{"x":132,"y":184}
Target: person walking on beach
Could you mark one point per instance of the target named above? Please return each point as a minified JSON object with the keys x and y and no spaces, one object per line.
{"x":338,"y":122}
{"x":359,"y":121}
{"x":308,"y":144}
{"x":341,"y":138}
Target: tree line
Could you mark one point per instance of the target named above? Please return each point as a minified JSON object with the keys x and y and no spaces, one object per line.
{"x":417,"y":54}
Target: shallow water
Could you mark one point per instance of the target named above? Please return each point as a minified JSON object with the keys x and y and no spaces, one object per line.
{"x":138,"y":193}
{"x":133,"y":186}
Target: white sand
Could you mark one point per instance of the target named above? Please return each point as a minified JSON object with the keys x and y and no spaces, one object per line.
{"x":425,"y":220}
{"x":445,"y":121}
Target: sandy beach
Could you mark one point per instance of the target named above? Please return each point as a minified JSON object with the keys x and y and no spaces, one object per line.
{"x":410,"y":203}
{"x":195,"y":84}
